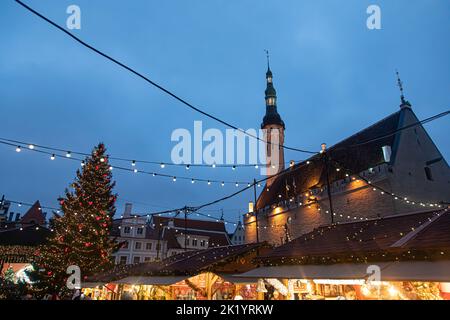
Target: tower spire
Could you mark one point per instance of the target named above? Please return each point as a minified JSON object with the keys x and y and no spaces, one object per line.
{"x":268,"y":59}
{"x":404,"y":102}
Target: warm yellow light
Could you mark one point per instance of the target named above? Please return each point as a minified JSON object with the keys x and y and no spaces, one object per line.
{"x":365,"y":291}
{"x":250,"y":206}
{"x":392,"y":291}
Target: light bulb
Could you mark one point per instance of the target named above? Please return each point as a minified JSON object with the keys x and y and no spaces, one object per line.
{"x":223,"y":183}
{"x":174,"y":179}
{"x":135,"y":170}
{"x":31,"y":146}
{"x":68,"y":154}
{"x":213,"y":165}
{"x":110,"y":168}
{"x":237,"y":184}
{"x":188,"y":167}
{"x":162,"y":165}
{"x":52,"y":157}
{"x":256,"y":166}
{"x":18,"y":149}
{"x":82,"y":163}
{"x":209,"y":182}
{"x":233,"y":167}
{"x":102,"y":159}
{"x":133,"y":163}
{"x":192,"y":181}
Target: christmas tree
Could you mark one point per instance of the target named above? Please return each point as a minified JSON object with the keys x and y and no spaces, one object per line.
{"x":81,"y":236}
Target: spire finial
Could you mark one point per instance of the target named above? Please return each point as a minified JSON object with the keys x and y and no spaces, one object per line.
{"x":268,"y":58}
{"x":400,"y":85}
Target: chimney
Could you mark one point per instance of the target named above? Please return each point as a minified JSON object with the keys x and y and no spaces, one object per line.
{"x":17,"y":217}
{"x":291,"y":163}
{"x":127,"y":212}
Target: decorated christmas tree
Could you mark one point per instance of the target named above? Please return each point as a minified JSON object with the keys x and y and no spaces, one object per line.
{"x":81,"y":235}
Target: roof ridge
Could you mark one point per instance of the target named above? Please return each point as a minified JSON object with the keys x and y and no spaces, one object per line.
{"x":414,"y":233}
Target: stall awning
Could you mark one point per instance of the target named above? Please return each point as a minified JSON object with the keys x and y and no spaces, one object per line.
{"x":237,"y":279}
{"x":162,"y":281}
{"x":438,"y":271}
{"x":337,"y":271}
{"x":87,"y":285}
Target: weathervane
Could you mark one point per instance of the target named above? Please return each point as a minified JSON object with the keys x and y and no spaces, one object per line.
{"x":267,"y":55}
{"x":400,"y":85}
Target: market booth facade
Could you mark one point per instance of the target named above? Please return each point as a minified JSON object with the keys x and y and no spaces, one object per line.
{"x":397,"y":258}
{"x":195,"y":275}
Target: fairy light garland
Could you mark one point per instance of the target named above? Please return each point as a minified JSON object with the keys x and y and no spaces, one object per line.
{"x":133,"y":161}
{"x":133,"y":169}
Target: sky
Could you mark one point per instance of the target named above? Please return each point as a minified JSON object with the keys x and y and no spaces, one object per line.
{"x":333,"y":77}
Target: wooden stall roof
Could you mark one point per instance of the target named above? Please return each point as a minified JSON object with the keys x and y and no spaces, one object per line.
{"x":225,"y":259}
{"x":419,"y":236}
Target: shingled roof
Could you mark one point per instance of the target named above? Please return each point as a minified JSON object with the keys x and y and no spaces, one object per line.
{"x":356,"y":159}
{"x":412,"y":236}
{"x":188,"y":263}
{"x":34,"y":215}
{"x":215,"y":231}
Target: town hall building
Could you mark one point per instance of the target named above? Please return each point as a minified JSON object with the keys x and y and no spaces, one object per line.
{"x":390,"y":168}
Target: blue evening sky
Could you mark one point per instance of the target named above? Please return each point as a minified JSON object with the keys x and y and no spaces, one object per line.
{"x":333,"y":77}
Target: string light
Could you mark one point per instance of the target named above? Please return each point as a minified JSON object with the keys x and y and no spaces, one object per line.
{"x":52,"y":157}
{"x":31,"y":147}
{"x":68,"y":154}
{"x":133,"y":163}
{"x":174,"y":179}
{"x":18,"y":149}
{"x":162,"y":165}
{"x":188,"y":167}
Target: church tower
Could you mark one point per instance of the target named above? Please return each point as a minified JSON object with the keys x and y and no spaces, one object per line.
{"x":273,"y":128}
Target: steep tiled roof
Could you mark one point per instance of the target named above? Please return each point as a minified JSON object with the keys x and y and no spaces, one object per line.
{"x":395,"y":234}
{"x":34,"y":215}
{"x":190,"y":223}
{"x":356,"y":159}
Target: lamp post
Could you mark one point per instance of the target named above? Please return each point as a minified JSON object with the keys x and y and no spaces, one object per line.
{"x":255,"y":211}
{"x":325,"y":158}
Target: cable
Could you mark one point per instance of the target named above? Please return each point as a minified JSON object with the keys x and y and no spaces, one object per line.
{"x":69,"y":156}
{"x":154,"y":83}
{"x":432,"y":118}
{"x":134,"y":162}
